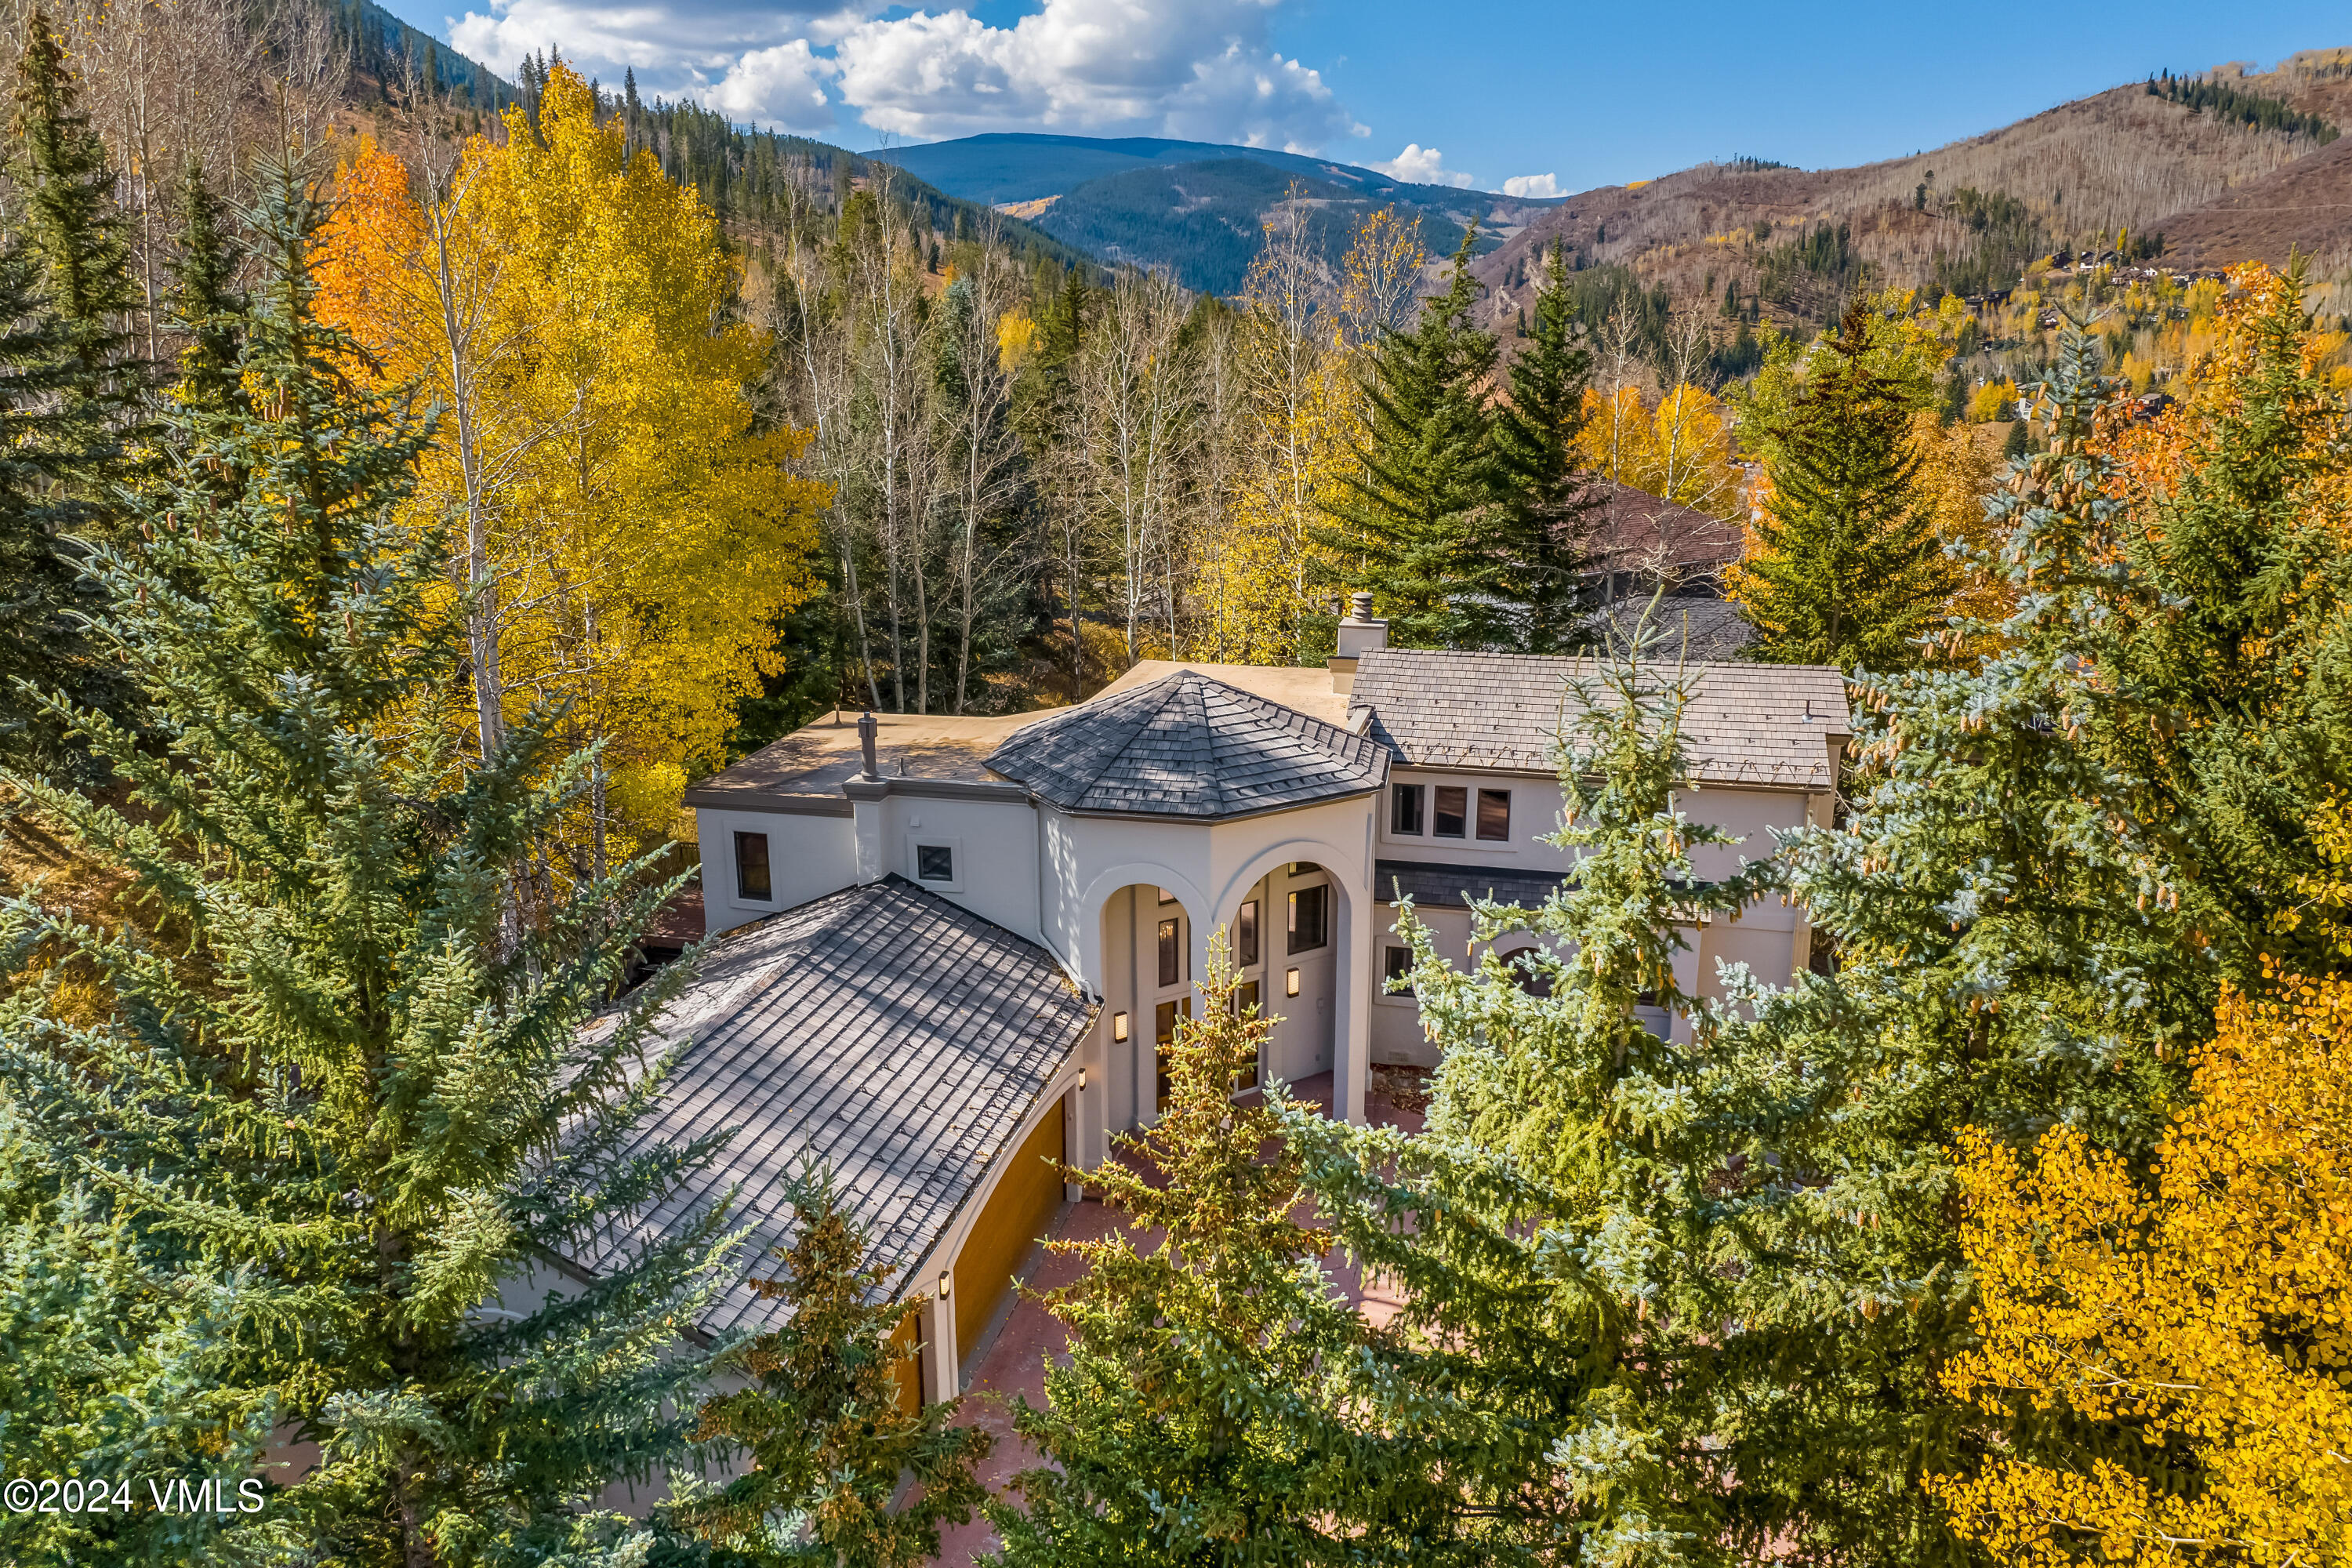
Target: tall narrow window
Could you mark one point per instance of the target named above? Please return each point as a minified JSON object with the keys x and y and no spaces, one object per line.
{"x":1404,"y":809}
{"x":1245,"y":936}
{"x":1309,"y":919}
{"x":752,"y":879}
{"x":1453,"y":811}
{"x":1495,"y":815}
{"x":1172,"y":952}
{"x":1163,"y":1033}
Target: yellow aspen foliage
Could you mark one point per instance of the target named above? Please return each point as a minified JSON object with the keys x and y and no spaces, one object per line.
{"x":1678,"y":448}
{"x":1957,"y":468}
{"x":1995,"y":400}
{"x":639,"y":530}
{"x":1299,"y":410}
{"x":2213,"y":1314}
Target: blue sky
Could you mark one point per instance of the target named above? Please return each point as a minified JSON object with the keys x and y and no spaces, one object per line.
{"x":1480,"y":90}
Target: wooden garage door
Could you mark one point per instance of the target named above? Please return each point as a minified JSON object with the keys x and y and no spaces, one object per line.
{"x":1017,"y":1214}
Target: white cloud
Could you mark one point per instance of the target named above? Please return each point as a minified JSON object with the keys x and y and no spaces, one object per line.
{"x":782,"y":85}
{"x":1532,"y":185}
{"x":1421,"y":166}
{"x":1201,"y":69}
{"x":1193,"y":68}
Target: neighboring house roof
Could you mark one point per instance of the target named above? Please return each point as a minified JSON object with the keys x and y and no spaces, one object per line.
{"x":894,"y":1036}
{"x":1750,"y":724}
{"x":1715,"y":629}
{"x":1192,"y":747}
{"x":1635,"y":531}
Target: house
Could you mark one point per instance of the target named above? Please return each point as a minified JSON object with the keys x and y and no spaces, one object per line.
{"x":949,"y":947}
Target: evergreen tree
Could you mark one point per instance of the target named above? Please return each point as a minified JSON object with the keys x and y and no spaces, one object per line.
{"x":2227,"y":651}
{"x":41,"y":640}
{"x":1846,"y":568}
{"x":60,"y":167}
{"x":360,"y":1085}
{"x":1556,"y":495}
{"x":1192,"y":1423}
{"x":1426,"y":525}
{"x":204,"y":302}
{"x":824,"y":1424}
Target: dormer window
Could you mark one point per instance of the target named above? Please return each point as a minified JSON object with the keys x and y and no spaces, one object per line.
{"x":1452,"y":812}
{"x":1405,"y":810}
{"x":1495,"y":816}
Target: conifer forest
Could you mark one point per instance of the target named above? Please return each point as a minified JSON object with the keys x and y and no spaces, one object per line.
{"x":414,"y":482}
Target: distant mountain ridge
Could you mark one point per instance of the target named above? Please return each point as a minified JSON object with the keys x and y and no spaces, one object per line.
{"x":1195,"y":207}
{"x":1004,"y":167}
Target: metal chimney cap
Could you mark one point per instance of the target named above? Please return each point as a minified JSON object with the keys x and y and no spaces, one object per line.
{"x":1359,"y":606}
{"x":867,"y":728}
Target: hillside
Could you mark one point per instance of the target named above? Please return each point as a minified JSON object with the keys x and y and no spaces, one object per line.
{"x":1966,"y":216}
{"x":1202,"y":220}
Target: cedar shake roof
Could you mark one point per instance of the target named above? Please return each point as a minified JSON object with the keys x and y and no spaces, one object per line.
{"x":1763,"y":724}
{"x":882,"y":1030}
{"x":1192,"y":747}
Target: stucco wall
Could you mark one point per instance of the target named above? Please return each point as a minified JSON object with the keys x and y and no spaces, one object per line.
{"x":808,"y":857}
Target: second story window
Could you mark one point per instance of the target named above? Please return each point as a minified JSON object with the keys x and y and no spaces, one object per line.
{"x":1245,"y":936}
{"x":1172,"y":952}
{"x":1495,"y":815}
{"x":751,"y":880}
{"x":1404,"y":809}
{"x":1310,"y":923}
{"x":1452,"y":812}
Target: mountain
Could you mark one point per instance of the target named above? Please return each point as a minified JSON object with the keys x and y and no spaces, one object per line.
{"x":1009,"y":167}
{"x":1195,"y":207}
{"x":2197,"y":185}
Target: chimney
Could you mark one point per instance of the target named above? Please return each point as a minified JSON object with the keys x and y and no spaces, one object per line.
{"x":866,"y":729}
{"x":1359,"y":634}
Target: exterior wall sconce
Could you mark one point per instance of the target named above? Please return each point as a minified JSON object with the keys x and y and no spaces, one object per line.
{"x":946,"y":1283}
{"x":1119,"y":1027}
{"x":1290,"y":982}
{"x":1082,"y":1080}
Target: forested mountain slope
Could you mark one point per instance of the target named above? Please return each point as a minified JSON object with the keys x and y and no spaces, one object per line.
{"x":1791,"y":243}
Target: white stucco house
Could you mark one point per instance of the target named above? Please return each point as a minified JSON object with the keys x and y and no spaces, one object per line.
{"x":958,"y":943}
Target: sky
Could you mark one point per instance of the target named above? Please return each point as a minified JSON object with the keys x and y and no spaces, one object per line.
{"x":1537,"y":98}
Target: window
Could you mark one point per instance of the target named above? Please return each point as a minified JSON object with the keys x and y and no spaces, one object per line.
{"x":1246,"y":998}
{"x":935,"y":862}
{"x":1172,"y":952}
{"x":1404,"y":809}
{"x":1245,"y":936}
{"x":1166,"y":896}
{"x":1495,"y":816}
{"x":1163,"y":1031}
{"x":1453,"y":811}
{"x":751,"y":867}
{"x":1400,"y":963}
{"x":1309,"y":919}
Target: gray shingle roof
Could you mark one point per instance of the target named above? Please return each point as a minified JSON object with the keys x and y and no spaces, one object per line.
{"x":895,"y":1036}
{"x":1425,"y":883}
{"x":1752,"y":723}
{"x":1189,"y":746}
{"x":1716,"y":629}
